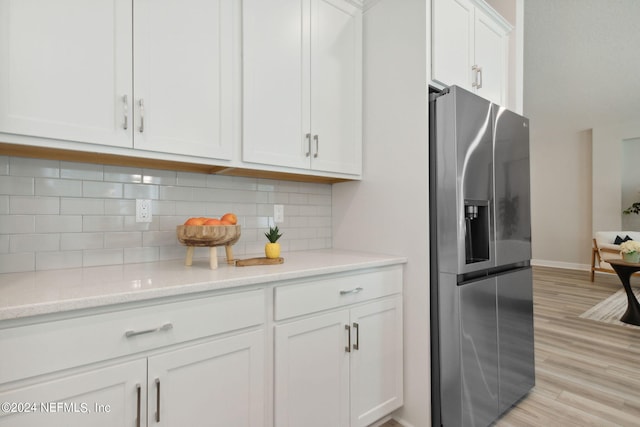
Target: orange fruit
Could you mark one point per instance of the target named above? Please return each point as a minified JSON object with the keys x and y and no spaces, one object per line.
{"x":195,"y":221}
{"x":225,"y":222}
{"x":212,"y":221}
{"x":230,"y":217}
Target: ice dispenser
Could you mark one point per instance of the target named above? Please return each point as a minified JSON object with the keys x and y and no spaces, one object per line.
{"x":476,"y":236}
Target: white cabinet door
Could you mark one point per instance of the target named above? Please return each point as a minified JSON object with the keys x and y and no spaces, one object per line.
{"x":470,"y":48}
{"x":276,"y":116}
{"x":216,"y":383}
{"x":491,"y":54}
{"x":183,"y":76}
{"x":452,"y":47}
{"x":312,"y":372}
{"x":65,"y":68}
{"x":106,"y":397}
{"x":376,"y":361}
{"x":336,"y":86}
{"x":302,"y":82}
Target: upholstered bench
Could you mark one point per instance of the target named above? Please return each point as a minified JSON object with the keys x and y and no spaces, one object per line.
{"x":606,"y":245}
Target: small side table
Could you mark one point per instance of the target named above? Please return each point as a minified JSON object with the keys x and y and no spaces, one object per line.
{"x":625,"y":270}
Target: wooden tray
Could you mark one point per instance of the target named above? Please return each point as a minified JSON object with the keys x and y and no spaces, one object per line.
{"x":258,"y":261}
{"x":209,"y":236}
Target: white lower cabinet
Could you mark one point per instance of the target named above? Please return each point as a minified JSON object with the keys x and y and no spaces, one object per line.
{"x":216,"y":383}
{"x":180,"y":363}
{"x":103,"y":397}
{"x":343,"y":367}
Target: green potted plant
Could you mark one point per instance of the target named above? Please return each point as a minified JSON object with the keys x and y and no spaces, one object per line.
{"x":630,"y":251}
{"x":272,"y":249}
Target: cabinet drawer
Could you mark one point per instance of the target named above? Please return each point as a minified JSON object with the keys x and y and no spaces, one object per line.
{"x":307,"y":297}
{"x":50,"y":346}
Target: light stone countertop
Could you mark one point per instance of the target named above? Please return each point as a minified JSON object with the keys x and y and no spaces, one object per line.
{"x":55,"y":291}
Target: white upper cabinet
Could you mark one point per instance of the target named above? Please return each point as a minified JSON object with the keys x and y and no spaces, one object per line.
{"x":183,"y":76}
{"x":153,"y":75}
{"x":302,"y":78}
{"x":65,"y":69}
{"x":470,"y":48}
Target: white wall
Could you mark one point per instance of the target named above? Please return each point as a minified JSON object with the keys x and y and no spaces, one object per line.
{"x":561,"y":197}
{"x":630,"y":182}
{"x":388,"y":211}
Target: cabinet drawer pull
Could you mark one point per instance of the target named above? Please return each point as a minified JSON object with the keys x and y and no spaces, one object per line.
{"x":352,"y":291}
{"x":316,"y":139}
{"x":157,"y":400}
{"x":348,"y":347}
{"x":308,"y":138}
{"x":477,"y":76}
{"x":165,"y":327}
{"x":356,"y":345}
{"x":125,"y":100}
{"x":138,"y":392}
{"x":141,"y":104}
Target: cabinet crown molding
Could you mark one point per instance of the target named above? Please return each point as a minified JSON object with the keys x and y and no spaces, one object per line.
{"x":489,"y":10}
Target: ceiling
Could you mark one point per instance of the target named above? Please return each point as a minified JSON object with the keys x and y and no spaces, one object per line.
{"x":581,"y":62}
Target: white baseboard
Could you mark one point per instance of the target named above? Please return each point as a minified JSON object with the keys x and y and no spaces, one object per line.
{"x":558,"y":264}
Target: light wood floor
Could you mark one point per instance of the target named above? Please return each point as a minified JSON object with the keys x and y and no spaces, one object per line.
{"x":587,"y":372}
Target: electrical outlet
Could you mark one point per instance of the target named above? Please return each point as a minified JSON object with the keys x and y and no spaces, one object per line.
{"x":143,"y":210}
{"x":278,"y":213}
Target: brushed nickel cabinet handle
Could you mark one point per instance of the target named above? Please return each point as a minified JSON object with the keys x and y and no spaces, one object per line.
{"x":480,"y":78}
{"x":315,"y":138}
{"x":139,"y":392}
{"x":351,"y":291}
{"x":348,"y":347}
{"x":474,"y":69}
{"x":165,"y":327}
{"x":356,"y":346}
{"x":157,"y":400}
{"x":308,"y":138}
{"x":125,"y":100}
{"x":141,"y":104}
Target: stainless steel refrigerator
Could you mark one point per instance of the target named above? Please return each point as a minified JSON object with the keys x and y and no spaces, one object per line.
{"x":481,"y":282}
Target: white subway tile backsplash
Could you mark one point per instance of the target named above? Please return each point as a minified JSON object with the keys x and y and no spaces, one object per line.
{"x":82,"y":171}
{"x":4,"y":205}
{"x":17,"y":224}
{"x":102,"y":223}
{"x":120,"y":207}
{"x":80,"y":206}
{"x":22,"y":166}
{"x":155,"y":176}
{"x":140,"y":254}
{"x":122,"y":174}
{"x":79,"y":241}
{"x":188,"y":179}
{"x":16,"y":263}
{"x":4,"y":165}
{"x":140,"y":191}
{"x":34,"y":242}
{"x":16,"y":185}
{"x":58,"y":187}
{"x":58,"y":223}
{"x":56,"y":260}
{"x":85,"y":215}
{"x":92,"y":258}
{"x":102,"y":189}
{"x":34,"y":205}
{"x":123,"y":239}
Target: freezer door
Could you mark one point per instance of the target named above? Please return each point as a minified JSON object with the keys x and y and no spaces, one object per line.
{"x":479,"y":352}
{"x":515,"y":329}
{"x":512,"y":210}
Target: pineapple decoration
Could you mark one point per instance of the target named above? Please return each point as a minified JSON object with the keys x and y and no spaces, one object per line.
{"x":272,"y":249}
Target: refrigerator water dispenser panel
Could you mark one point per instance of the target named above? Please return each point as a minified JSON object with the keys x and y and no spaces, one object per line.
{"x":476,"y":236}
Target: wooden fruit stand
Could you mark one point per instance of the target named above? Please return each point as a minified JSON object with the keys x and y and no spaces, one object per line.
{"x":210,"y":236}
